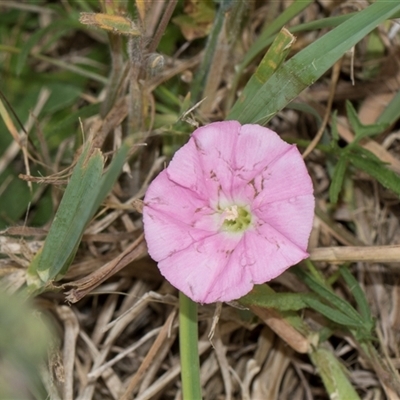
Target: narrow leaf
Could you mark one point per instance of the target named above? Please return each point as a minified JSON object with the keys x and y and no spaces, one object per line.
{"x":37,"y":36}
{"x":392,"y":112}
{"x":307,"y":66}
{"x":262,"y":297}
{"x":367,"y":162}
{"x":263,"y":40}
{"x":272,"y":60}
{"x":329,"y":296}
{"x":110,"y":176}
{"x":362,"y":131}
{"x":71,"y":218}
{"x":332,"y":314}
{"x":358,"y":294}
{"x":117,"y":24}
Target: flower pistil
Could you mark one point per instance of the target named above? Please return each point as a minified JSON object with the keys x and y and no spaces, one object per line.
{"x":235,"y":218}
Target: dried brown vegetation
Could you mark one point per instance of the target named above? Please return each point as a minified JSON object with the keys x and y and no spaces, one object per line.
{"x":114,"y":314}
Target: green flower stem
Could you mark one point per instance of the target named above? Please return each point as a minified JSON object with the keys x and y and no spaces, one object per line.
{"x":188,"y":343}
{"x":334,"y":375}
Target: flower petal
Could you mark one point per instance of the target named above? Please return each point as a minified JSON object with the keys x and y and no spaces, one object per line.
{"x":283,"y":179}
{"x":174,"y":217}
{"x":204,"y":164}
{"x":256,"y":148}
{"x":292,"y":218}
{"x":209,"y":270}
{"x":273,"y":252}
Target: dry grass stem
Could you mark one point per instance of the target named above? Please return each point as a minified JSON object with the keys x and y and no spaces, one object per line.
{"x":118,"y":333}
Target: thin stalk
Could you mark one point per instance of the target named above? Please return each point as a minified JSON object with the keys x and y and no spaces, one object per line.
{"x":260,"y":45}
{"x":117,"y":60}
{"x":226,"y":39}
{"x":212,"y":43}
{"x":162,"y":25}
{"x":115,"y":73}
{"x":189,"y":351}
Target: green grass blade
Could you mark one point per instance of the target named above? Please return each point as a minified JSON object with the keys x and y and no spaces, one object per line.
{"x":86,"y":190}
{"x":323,"y":23}
{"x":337,"y":302}
{"x":367,"y":162}
{"x":305,"y":108}
{"x":70,"y":220}
{"x":272,"y":60}
{"x":360,"y":130}
{"x":332,"y":314}
{"x":212,"y":43}
{"x":57,"y":26}
{"x":73,"y":118}
{"x":265,"y":39}
{"x":277,"y":24}
{"x":308,"y":65}
{"x":358,"y":294}
{"x":110,"y":176}
{"x":25,"y":336}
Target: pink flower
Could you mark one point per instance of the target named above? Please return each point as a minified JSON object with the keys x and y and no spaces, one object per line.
{"x":234,"y":208}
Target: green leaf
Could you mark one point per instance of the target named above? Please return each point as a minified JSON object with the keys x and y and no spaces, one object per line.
{"x":332,"y":313}
{"x":70,"y":220}
{"x":61,"y":24}
{"x":263,"y":296}
{"x":264,"y":40}
{"x":285,"y":303}
{"x":13,"y":188}
{"x":369,"y":163}
{"x":110,"y":176}
{"x":308,"y":65}
{"x":359,"y":295}
{"x":62,"y":95}
{"x":391,"y":113}
{"x":272,"y":60}
{"x":337,"y":178}
{"x":362,"y":131}
{"x":86,"y":190}
{"x":329,"y":296}
{"x":73,"y":118}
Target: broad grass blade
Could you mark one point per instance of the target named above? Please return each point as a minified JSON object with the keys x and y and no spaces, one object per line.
{"x":86,"y":190}
{"x":358,"y":294}
{"x":272,"y":60}
{"x":307,"y":66}
{"x":263,"y":40}
{"x":70,"y":220}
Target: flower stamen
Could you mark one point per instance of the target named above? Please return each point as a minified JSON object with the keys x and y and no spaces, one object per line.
{"x":236,"y":218}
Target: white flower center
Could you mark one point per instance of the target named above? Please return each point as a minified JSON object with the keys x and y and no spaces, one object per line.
{"x":230,"y":213}
{"x":235,"y":218}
